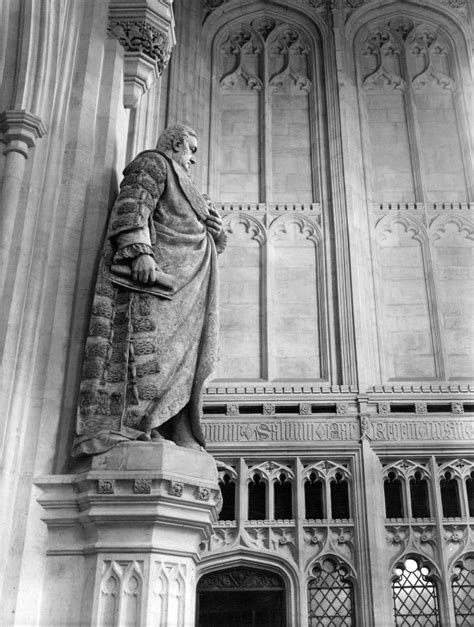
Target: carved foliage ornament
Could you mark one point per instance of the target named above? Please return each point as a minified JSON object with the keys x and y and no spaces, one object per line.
{"x":244,"y":578}
{"x":284,"y":50}
{"x":424,"y":50}
{"x":142,"y":37}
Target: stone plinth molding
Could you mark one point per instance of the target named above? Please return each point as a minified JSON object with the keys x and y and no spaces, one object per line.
{"x":129,"y":525}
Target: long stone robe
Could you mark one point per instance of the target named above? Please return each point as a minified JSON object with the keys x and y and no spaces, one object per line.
{"x":147,"y":358}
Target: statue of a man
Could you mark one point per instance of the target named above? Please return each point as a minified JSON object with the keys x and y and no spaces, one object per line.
{"x":152,"y":339}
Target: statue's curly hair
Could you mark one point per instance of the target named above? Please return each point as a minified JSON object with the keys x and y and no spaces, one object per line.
{"x":171,"y":134}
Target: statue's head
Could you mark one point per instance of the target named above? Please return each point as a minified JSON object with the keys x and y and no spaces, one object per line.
{"x":180,"y":143}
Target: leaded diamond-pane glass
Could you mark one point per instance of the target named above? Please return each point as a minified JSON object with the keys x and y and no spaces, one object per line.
{"x":330,"y":598}
{"x":463,"y":592}
{"x":415,"y":597}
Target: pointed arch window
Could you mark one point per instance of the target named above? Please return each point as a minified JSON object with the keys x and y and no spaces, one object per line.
{"x":282,"y":494}
{"x":393,"y":490}
{"x":314,"y":497}
{"x":420,"y":504}
{"x":415,"y":595}
{"x":470,"y":493}
{"x":227,"y":486}
{"x":463,"y":591}
{"x":339,"y":497}
{"x":257,"y":495}
{"x":330,"y":596}
{"x":450,"y":496}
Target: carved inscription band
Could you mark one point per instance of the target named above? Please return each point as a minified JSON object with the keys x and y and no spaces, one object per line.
{"x":337,"y":430}
{"x":420,"y":430}
{"x":280,"y":431}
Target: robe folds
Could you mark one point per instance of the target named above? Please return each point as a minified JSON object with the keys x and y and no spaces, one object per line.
{"x":146,"y":357}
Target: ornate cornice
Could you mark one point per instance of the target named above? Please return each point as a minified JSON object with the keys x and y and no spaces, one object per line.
{"x":143,"y":38}
{"x":145,"y":30}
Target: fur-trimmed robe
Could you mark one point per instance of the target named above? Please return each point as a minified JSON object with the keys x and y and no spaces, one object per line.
{"x":147,"y":358}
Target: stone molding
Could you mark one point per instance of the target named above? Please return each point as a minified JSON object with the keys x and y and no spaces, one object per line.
{"x":20,"y":130}
{"x":145,"y":30}
{"x":128,"y":523}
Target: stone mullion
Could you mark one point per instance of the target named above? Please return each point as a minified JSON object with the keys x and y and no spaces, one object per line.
{"x":270,"y":346}
{"x":266,"y":186}
{"x":434,"y":309}
{"x":242,"y":503}
{"x":344,"y":298}
{"x":265,"y":321}
{"x":413,"y":131}
{"x":270,"y":504}
{"x":446,"y":603}
{"x":374,"y":584}
{"x":299,"y":516}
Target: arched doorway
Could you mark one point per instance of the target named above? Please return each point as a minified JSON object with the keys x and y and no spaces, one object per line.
{"x":241,"y":597}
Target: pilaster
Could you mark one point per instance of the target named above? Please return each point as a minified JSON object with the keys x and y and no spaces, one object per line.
{"x":128,"y":525}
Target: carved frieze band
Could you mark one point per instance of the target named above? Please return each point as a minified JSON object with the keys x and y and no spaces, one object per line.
{"x":281,"y":431}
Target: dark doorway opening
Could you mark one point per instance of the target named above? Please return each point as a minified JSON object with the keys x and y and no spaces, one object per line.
{"x":241,"y":597}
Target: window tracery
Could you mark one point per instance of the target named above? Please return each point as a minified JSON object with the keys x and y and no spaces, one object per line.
{"x":263,"y":104}
{"x":330,"y":595}
{"x":415,"y":595}
{"x":462,"y":583}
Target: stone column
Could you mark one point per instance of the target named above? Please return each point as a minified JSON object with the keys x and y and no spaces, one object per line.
{"x":124,"y":534}
{"x":19,"y":132}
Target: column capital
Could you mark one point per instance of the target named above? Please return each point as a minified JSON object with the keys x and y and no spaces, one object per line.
{"x":145,"y":29}
{"x":20,"y":130}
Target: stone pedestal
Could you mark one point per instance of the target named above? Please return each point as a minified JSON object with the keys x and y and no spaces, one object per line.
{"x":124,"y":534}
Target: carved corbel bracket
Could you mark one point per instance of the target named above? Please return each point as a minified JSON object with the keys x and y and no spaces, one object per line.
{"x":145,"y":29}
{"x":19,"y":130}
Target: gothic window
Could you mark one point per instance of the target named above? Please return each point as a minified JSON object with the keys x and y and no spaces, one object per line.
{"x":470,"y":493}
{"x":414,"y":113}
{"x":227,"y":487}
{"x":257,"y":494}
{"x":326,"y":490}
{"x":450,"y":496}
{"x":264,"y":107}
{"x":330,"y":596}
{"x":415,"y":596}
{"x":339,"y":497}
{"x":313,"y":497}
{"x":420,"y":506}
{"x":393,"y":496}
{"x":463,"y":591}
{"x":282,"y":498}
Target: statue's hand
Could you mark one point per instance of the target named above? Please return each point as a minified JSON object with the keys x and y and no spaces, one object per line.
{"x":214,"y":222}
{"x":143,"y":269}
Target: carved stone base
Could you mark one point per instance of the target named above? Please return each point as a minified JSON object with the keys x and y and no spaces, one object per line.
{"x":124,"y":534}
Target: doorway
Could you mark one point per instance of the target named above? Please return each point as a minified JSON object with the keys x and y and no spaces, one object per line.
{"x":241,"y":597}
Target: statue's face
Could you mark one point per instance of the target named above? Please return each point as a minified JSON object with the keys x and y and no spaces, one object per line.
{"x":185,"y":152}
